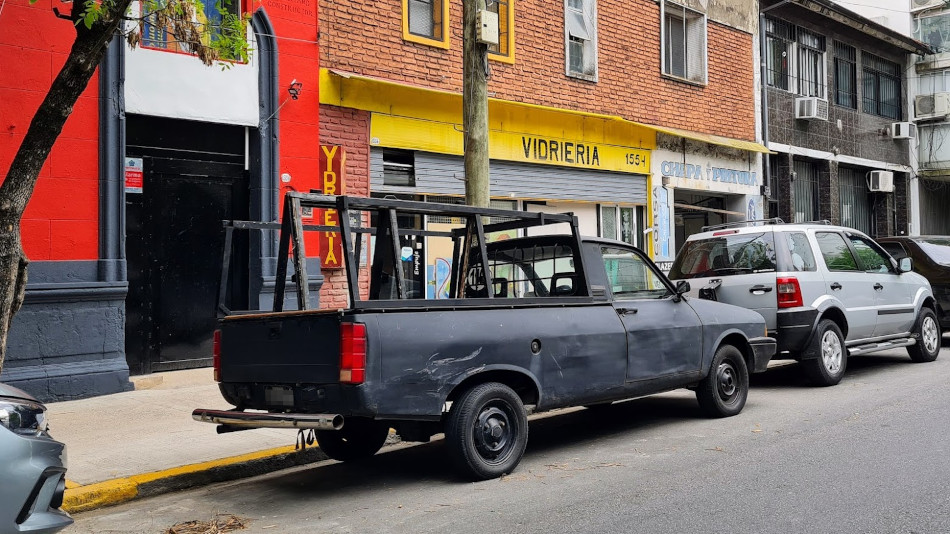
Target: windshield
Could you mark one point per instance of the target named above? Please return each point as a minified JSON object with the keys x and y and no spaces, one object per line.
{"x":937,"y":249}
{"x":725,"y":255}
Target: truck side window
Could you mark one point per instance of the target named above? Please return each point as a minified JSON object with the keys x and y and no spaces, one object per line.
{"x":630,"y":277}
{"x":835,"y":252}
{"x":800,"y":252}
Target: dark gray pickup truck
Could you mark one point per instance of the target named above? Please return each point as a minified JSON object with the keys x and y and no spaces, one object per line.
{"x":529,"y":324}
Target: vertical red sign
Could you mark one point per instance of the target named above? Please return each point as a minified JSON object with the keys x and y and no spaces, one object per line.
{"x":332,"y":176}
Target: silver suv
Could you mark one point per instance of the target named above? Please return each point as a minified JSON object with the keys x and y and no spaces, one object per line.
{"x":825,"y":291}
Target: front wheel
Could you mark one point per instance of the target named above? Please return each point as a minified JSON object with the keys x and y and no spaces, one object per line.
{"x":826,"y":358}
{"x":359,"y":438}
{"x":487,"y":431}
{"x":724,"y":390}
{"x":928,"y":334}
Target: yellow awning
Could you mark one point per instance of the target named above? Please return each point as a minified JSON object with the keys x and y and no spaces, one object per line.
{"x":749,"y":146}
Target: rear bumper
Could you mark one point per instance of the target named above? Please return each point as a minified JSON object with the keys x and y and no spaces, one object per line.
{"x":794,"y":329}
{"x":235,"y":418}
{"x":763,"y":348}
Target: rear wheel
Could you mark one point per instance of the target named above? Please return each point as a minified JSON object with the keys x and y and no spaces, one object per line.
{"x":928,"y":334}
{"x":724,"y":390}
{"x":359,"y":438}
{"x":487,"y":431}
{"x":826,"y":358}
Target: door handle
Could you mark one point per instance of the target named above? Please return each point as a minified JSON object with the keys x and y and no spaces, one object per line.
{"x":878,"y":286}
{"x":626,"y":311}
{"x":760,"y":287}
{"x":835,"y":285}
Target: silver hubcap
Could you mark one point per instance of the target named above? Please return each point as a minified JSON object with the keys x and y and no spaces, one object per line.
{"x":831,"y":352}
{"x":929,"y":334}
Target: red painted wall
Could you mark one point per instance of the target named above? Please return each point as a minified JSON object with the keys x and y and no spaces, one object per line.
{"x":61,"y":221}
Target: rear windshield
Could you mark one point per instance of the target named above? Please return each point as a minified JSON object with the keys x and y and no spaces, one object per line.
{"x":725,"y":255}
{"x":937,"y":249}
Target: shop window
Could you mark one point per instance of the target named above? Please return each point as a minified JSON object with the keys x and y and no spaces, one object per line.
{"x":811,"y":64}
{"x":580,"y":29}
{"x":846,"y":76}
{"x":779,"y":45}
{"x":399,"y":168}
{"x":425,"y":21}
{"x":505,"y":49}
{"x":623,"y":224}
{"x":882,"y":87}
{"x":684,"y":45}
{"x":213,"y":20}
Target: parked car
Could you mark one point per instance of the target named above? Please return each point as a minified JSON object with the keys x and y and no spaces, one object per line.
{"x":931,"y":255}
{"x":32,"y":467}
{"x":825,"y":291}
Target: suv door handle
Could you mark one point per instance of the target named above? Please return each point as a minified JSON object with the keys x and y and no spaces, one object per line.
{"x":626,"y":311}
{"x":835,"y":285}
{"x":760,"y":287}
{"x":878,"y":286}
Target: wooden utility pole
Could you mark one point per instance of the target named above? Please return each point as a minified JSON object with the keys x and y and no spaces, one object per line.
{"x":474,"y":106}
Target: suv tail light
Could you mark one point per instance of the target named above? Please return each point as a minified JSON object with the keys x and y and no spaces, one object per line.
{"x":216,"y":355}
{"x":789,"y":293}
{"x":352,"y":353}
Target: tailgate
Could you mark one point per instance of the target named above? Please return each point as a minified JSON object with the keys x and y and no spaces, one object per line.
{"x":289,"y":347}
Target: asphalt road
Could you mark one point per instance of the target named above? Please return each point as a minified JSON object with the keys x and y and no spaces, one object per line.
{"x":867,"y":456}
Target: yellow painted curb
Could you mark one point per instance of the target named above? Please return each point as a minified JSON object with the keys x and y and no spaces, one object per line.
{"x":119,"y":490}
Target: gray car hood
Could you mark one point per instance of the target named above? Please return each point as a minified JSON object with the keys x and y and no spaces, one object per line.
{"x":10,"y":391}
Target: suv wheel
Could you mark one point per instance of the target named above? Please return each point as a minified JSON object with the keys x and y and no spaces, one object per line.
{"x":927,"y":347}
{"x":826,"y":358}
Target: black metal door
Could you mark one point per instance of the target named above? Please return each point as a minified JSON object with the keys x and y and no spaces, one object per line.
{"x":174,"y":246}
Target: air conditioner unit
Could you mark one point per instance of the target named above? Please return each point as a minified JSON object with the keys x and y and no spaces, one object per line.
{"x":932,"y":106}
{"x":916,"y":5}
{"x":904,"y":130}
{"x":811,"y":108}
{"x":882,"y":181}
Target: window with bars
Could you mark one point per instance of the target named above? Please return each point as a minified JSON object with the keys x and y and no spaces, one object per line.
{"x":505,"y":49}
{"x":811,"y":64}
{"x":580,"y":29}
{"x":882,"y":86}
{"x":684,"y":45}
{"x":779,"y":44}
{"x":846,"y":91}
{"x":805,"y":191}
{"x":424,"y":21}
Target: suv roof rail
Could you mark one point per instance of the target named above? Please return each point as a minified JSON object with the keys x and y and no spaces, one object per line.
{"x":773,"y":220}
{"x":823,"y":221}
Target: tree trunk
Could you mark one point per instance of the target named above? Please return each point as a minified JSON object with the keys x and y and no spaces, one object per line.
{"x":87,"y":52}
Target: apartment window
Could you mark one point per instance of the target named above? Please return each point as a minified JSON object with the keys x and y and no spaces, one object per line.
{"x":399,"y":168}
{"x":933,"y":30}
{"x":424,"y":21}
{"x":934,"y":82}
{"x":684,"y":43}
{"x":580,"y":34}
{"x":811,"y":64}
{"x":505,"y":49}
{"x":846,"y":76}
{"x":779,"y":45}
{"x":882,"y":87}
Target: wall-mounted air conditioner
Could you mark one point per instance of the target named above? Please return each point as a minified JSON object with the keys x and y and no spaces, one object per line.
{"x":916,"y":5}
{"x":811,"y":108}
{"x":932,"y":106}
{"x":904,"y":130}
{"x":882,"y":181}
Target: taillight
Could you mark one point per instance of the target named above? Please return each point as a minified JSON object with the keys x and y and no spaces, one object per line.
{"x":352,"y":353}
{"x":789,"y":292}
{"x":216,"y":355}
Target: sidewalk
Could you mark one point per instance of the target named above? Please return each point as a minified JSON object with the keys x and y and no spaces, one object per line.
{"x":144,"y":442}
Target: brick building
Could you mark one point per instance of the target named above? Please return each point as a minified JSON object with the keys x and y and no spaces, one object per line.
{"x":836,"y":93}
{"x":588,"y":113}
{"x":124,"y":229}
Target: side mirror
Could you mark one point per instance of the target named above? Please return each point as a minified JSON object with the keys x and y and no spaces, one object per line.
{"x":682,"y":286}
{"x":906,"y":265}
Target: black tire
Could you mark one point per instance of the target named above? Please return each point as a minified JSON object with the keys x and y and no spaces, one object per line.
{"x":723,"y":392}
{"x":826,"y":358}
{"x":487,"y":431}
{"x":928,"y":335}
{"x":359,"y":438}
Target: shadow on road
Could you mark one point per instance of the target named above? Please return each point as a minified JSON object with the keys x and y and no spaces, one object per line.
{"x":791,"y":375}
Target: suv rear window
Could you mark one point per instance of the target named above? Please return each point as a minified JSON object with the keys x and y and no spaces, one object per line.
{"x":725,"y":255}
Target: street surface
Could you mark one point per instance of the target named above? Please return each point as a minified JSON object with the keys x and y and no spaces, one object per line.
{"x":867,"y":456}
